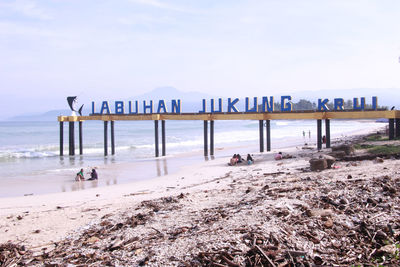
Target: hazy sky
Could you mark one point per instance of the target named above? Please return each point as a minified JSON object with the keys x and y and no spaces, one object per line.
{"x":106,"y":49}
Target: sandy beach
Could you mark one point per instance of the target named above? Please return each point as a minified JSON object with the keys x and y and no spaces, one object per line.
{"x":274,"y":213}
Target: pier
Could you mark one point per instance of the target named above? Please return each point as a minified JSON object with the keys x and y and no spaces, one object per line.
{"x":208,"y":119}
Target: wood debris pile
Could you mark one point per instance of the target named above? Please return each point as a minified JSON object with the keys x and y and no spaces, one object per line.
{"x":335,"y":217}
{"x":354,"y":222}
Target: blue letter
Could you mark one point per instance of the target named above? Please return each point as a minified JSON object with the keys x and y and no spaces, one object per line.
{"x":92,"y":107}
{"x":338,"y":104}
{"x":286,"y":106}
{"x":119,"y":107}
{"x":213,"y":106}
{"x":104,"y":106}
{"x":268,"y":106}
{"x":204,"y":107}
{"x":355,"y":103}
{"x":374,"y":103}
{"x":161,"y":105}
{"x":231,"y":105}
{"x":176,"y":106}
{"x":255,"y":106}
{"x":130,"y":108}
{"x":322,"y":104}
{"x":150,"y":107}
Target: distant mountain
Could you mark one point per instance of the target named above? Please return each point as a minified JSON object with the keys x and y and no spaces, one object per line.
{"x":47,"y":116}
{"x":169,"y":93}
{"x":190,"y":101}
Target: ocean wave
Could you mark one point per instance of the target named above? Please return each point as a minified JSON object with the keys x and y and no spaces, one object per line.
{"x":26,"y":154}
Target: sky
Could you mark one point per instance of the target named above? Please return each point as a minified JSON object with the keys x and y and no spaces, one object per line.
{"x":107,"y":49}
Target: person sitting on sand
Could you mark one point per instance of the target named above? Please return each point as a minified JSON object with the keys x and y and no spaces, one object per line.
{"x":249,"y":159}
{"x":79,"y":176}
{"x":93,"y":175}
{"x":233,"y":160}
{"x":239,"y":158}
{"x":278,"y":156}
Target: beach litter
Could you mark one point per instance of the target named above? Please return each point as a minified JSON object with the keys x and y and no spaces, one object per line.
{"x":341,"y":217}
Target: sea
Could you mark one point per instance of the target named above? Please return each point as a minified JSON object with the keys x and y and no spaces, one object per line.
{"x":30,"y":163}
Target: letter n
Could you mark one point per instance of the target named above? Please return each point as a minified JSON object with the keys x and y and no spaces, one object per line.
{"x":268,"y":106}
{"x":176,"y":106}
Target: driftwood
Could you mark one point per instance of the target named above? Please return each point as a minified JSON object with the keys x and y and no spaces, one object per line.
{"x":370,"y":157}
{"x":272,"y":173}
{"x":340,"y":221}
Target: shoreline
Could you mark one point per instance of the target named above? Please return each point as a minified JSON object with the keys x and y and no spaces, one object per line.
{"x":185,"y":177}
{"x":112,"y":173}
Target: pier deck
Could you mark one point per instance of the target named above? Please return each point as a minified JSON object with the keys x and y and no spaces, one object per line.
{"x":294,"y":115}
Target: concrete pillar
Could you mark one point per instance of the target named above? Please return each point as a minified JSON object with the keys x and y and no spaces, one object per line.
{"x":157,"y":153}
{"x":328,"y":133}
{"x":211,"y":138}
{"x":319,"y":134}
{"x":268,"y":134}
{"x":163,"y":137}
{"x":205,"y":138}
{"x":61,"y":138}
{"x":80,"y":139}
{"x":261,"y":130}
{"x":112,"y":139}
{"x":105,"y":138}
{"x":71,"y":138}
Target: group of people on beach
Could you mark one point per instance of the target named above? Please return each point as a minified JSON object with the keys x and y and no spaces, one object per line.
{"x":80,"y":176}
{"x":236,"y":159}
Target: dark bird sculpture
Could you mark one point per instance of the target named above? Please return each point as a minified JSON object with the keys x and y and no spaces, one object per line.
{"x":71,"y":100}
{"x":392,"y":108}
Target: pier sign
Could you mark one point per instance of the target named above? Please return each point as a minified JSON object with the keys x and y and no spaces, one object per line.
{"x":264,"y":104}
{"x":232,"y":109}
